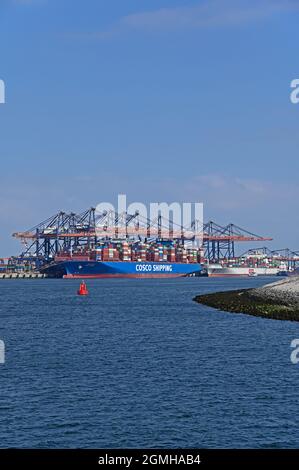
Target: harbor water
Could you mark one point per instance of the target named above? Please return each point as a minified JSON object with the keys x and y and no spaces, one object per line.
{"x":137,"y":363}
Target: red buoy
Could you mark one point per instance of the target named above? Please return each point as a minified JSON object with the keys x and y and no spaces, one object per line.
{"x":83,"y":289}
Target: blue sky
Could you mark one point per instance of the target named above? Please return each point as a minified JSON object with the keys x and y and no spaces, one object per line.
{"x":161,"y":100}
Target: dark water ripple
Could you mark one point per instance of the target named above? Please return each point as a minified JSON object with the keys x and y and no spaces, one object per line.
{"x":138,"y":364}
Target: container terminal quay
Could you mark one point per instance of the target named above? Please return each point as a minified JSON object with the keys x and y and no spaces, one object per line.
{"x":111,"y":245}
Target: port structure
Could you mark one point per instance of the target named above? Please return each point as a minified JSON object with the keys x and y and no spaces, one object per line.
{"x":219,"y":241}
{"x":68,"y":232}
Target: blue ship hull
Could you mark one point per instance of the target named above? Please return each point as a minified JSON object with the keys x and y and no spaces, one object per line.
{"x":103,"y":269}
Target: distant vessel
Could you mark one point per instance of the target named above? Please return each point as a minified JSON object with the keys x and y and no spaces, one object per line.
{"x":284,"y":272}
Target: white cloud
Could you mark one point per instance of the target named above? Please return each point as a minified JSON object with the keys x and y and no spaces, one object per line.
{"x":204,"y":14}
{"x":225,"y":192}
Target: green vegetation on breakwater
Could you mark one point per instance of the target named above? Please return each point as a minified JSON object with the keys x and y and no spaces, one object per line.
{"x":244,"y":301}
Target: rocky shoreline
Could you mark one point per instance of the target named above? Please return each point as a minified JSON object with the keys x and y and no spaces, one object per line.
{"x":278,"y":301}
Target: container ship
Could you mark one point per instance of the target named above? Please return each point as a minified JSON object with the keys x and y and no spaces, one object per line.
{"x":251,"y":264}
{"x":120,"y":259}
{"x":242,"y":271}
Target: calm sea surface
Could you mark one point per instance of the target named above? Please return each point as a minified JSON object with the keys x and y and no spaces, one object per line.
{"x":139,"y":364}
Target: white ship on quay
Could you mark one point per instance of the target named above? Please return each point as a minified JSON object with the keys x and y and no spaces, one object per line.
{"x":251,"y":264}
